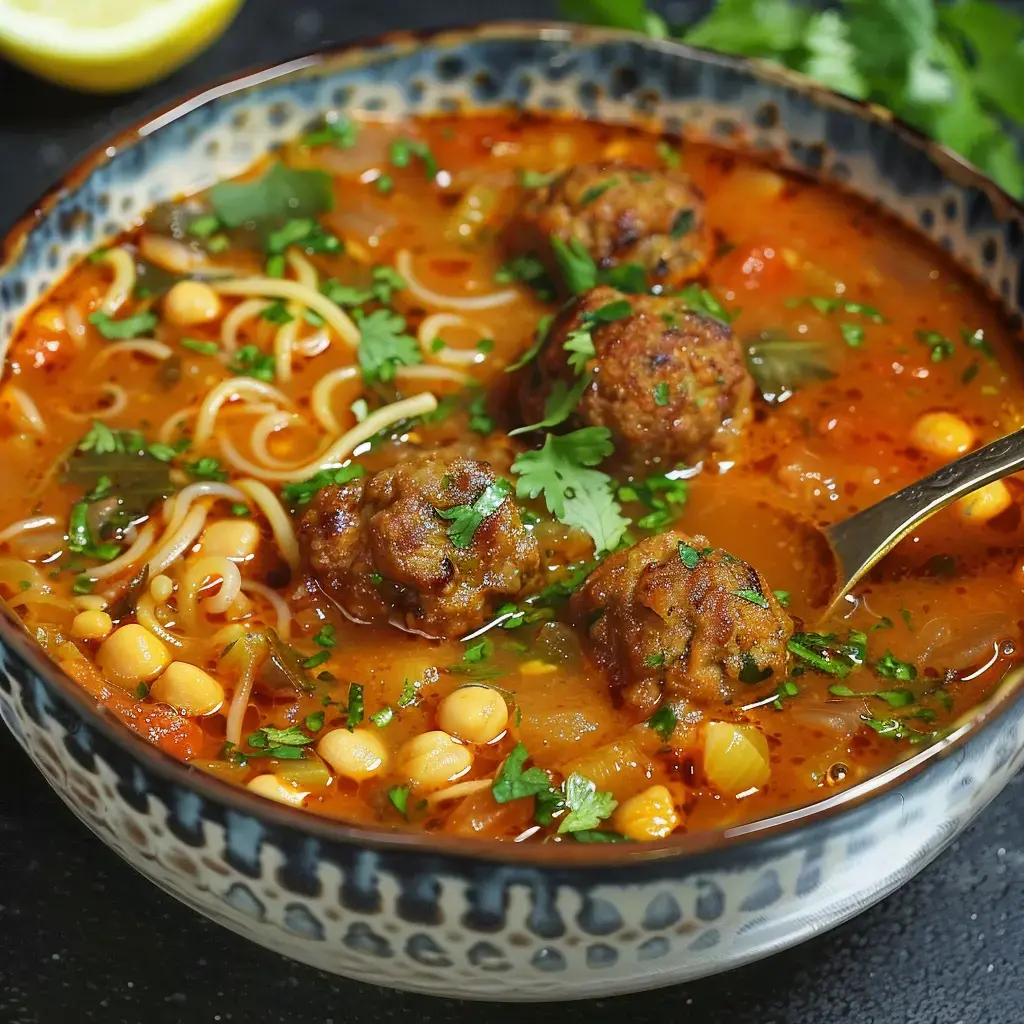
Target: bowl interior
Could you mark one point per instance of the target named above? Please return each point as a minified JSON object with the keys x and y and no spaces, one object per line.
{"x":554,"y":69}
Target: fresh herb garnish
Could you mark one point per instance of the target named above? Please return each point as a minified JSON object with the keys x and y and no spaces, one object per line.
{"x":302,"y":492}
{"x":574,"y":492}
{"x":282,"y":744}
{"x":530,"y":271}
{"x":466,"y":518}
{"x":341,"y":133}
{"x":403,"y":150}
{"x":326,"y":637}
{"x":204,"y":348}
{"x":663,"y":721}
{"x":890,"y":667}
{"x":688,"y":555}
{"x":384,"y":346}
{"x":578,"y":269}
{"x":662,"y":494}
{"x":598,"y":190}
{"x":539,"y":337}
{"x":138,"y":326}
{"x":249,"y":361}
{"x":780,"y":365}
{"x":853,"y":334}
{"x":587,"y":806}
{"x":384,"y":282}
{"x":384,"y":717}
{"x":206,"y":468}
{"x":660,"y":393}
{"x":753,"y":596}
{"x":826,"y":652}
{"x":399,"y":797}
{"x":783,"y":597}
{"x":513,"y":783}
{"x":700,"y":300}
{"x":354,"y":715}
{"x":941,"y":347}
{"x":667,"y":154}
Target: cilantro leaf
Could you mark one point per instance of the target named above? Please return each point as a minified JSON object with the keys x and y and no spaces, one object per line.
{"x":403,"y":150}
{"x":539,"y":337}
{"x":577,"y":266}
{"x":580,"y":346}
{"x":249,"y":361}
{"x":890,"y":667}
{"x":663,"y":721}
{"x":399,"y":797}
{"x":280,"y":194}
{"x":302,"y":492}
{"x":559,"y":406}
{"x":137,"y":326}
{"x":941,"y":347}
{"x":700,"y":300}
{"x":384,"y":345}
{"x":512,"y":783}
{"x":354,"y":714}
{"x":466,"y":518}
{"x":587,"y":807}
{"x":574,"y":493}
{"x":341,"y":133}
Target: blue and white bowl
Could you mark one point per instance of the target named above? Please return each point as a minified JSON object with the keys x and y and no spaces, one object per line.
{"x":448,"y":916}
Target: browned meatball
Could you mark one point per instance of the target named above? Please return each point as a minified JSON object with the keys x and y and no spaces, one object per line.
{"x":620,"y":214}
{"x":380,"y":547}
{"x":673,"y":614}
{"x":668,"y":383}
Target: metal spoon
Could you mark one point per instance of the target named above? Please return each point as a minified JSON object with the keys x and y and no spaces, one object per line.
{"x":860,"y":542}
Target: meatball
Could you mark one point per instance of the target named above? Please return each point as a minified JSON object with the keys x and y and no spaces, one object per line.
{"x":673,"y":615}
{"x":384,"y":549}
{"x":620,"y":214}
{"x":668,"y":383}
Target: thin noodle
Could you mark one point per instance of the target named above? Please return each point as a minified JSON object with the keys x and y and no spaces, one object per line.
{"x":177,"y":505}
{"x":233,"y":321}
{"x":117,"y":406}
{"x":458,"y":791}
{"x":136,"y":346}
{"x":280,"y":524}
{"x":278,"y":603}
{"x":14,"y":570}
{"x":428,"y":375}
{"x":310,"y":298}
{"x":27,"y":410}
{"x":284,"y":342}
{"x":170,"y":426}
{"x":135,"y":553}
{"x":403,"y":264}
{"x":180,"y":541}
{"x":240,"y":700}
{"x":343,"y":447}
{"x":320,"y":396}
{"x":259,"y":439}
{"x":241,"y":388}
{"x":196,"y":578}
{"x":74,"y":322}
{"x":305,"y":272}
{"x":123,"y":266}
{"x":145,"y":615}
{"x":90,"y":602}
{"x":430,"y":330}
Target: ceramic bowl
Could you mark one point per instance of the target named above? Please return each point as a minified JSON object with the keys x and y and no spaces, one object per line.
{"x":443,"y":915}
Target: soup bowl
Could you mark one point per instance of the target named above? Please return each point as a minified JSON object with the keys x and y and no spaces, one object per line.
{"x":500,"y":921}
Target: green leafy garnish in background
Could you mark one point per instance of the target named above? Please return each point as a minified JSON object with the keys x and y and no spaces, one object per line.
{"x":953,"y":70}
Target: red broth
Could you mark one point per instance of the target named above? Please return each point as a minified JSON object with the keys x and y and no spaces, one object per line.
{"x":111,"y":413}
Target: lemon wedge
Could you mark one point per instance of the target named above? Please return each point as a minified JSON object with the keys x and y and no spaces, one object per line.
{"x":109,"y":45}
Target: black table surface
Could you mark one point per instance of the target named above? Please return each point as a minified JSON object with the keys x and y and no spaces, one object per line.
{"x":84,"y":938}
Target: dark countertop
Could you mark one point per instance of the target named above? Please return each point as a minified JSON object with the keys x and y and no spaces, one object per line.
{"x":84,"y":938}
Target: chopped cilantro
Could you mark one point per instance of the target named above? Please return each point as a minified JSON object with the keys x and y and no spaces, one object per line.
{"x":326,"y":637}
{"x":853,"y":334}
{"x":383,"y":717}
{"x":663,"y":721}
{"x":587,"y":806}
{"x":300,"y":493}
{"x":661,"y":394}
{"x":825,"y":652}
{"x":203,"y":226}
{"x":976,"y":340}
{"x":683,"y":224}
{"x":512,"y":783}
{"x":316,"y":660}
{"x":384,"y":183}
{"x":941,"y":347}
{"x":354,"y":715}
{"x":206,"y":468}
{"x":466,"y":518}
{"x":275,"y":313}
{"x":204,"y":348}
{"x":574,"y":492}
{"x":399,"y":797}
{"x":667,"y":154}
{"x":137,"y":326}
{"x":783,"y":597}
{"x":384,"y":345}
{"x":341,"y":133}
{"x":700,"y":300}
{"x":536,"y":179}
{"x":598,"y":190}
{"x":479,"y":651}
{"x":408,"y":694}
{"x":303,"y":231}
{"x":403,"y":150}
{"x":890,"y":667}
{"x":539,"y":337}
{"x":578,"y":269}
{"x":753,"y":596}
{"x":689,"y":556}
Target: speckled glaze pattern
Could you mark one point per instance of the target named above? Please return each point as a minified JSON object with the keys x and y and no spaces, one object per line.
{"x":451,"y":917}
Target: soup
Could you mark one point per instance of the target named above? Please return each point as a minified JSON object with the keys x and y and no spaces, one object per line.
{"x":450,"y":475}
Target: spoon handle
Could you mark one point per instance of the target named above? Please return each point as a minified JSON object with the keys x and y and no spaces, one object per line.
{"x":860,"y":541}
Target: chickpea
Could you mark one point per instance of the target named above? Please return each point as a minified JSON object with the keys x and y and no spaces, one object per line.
{"x":985,"y":503}
{"x":132,"y":655}
{"x":91,"y":625}
{"x":356,"y":755}
{"x":191,"y":302}
{"x":273,"y":788}
{"x":161,"y":587}
{"x":474,"y":714}
{"x":942,"y":434}
{"x":188,"y":689}
{"x":646,"y":816}
{"x":433,"y":759}
{"x":231,"y":538}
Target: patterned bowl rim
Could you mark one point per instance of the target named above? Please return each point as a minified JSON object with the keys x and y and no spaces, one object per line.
{"x":14,"y":636}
